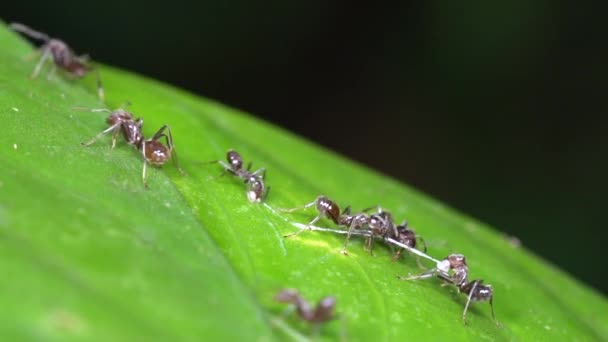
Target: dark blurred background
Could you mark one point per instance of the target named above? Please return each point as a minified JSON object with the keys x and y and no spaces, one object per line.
{"x":496,"y":107}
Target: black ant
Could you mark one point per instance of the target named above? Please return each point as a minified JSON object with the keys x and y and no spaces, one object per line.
{"x":62,"y":55}
{"x":323,"y":312}
{"x":256,"y":189}
{"x":153,"y":151}
{"x":475,"y":289}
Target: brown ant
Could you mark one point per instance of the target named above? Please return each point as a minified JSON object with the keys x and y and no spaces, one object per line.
{"x":408,"y":237}
{"x":323,"y":312}
{"x":153,"y":151}
{"x":256,"y":189}
{"x":378,"y":225}
{"x":330,"y":209}
{"x":62,"y":55}
{"x":475,"y":289}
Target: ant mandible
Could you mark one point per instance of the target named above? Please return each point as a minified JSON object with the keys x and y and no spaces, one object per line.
{"x":62,"y":55}
{"x":153,"y":151}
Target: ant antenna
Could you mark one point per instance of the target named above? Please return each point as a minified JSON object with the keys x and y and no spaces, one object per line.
{"x":30,"y":32}
{"x":94,"y":110}
{"x":100,"y":91}
{"x":422,"y":241}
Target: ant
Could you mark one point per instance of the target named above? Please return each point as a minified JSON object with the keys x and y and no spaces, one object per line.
{"x":378,"y":225}
{"x":152,"y":150}
{"x":381,"y":226}
{"x":330,"y":209}
{"x":323,"y":312}
{"x":256,"y":190}
{"x":408,"y":237}
{"x":475,"y":289}
{"x":62,"y":55}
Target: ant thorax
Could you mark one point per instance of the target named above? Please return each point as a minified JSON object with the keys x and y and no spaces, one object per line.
{"x":131,"y":131}
{"x":357,"y":221}
{"x":62,"y":54}
{"x":255,"y":189}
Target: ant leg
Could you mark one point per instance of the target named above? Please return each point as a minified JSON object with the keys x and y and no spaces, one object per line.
{"x":397,"y":254}
{"x":351,"y":228}
{"x":423,"y":243}
{"x":100,"y":91}
{"x":102,"y":133}
{"x":420,"y":265}
{"x":169,"y":138}
{"x":306,"y":206}
{"x":248,"y":166}
{"x":94,"y":110}
{"x":143,"y":173}
{"x":226,"y":167}
{"x":377,"y":207}
{"x":30,"y":32}
{"x":492,"y":307}
{"x":261,"y":171}
{"x":307,"y":227}
{"x":466,"y":307}
{"x":425,"y":275}
{"x":266,"y":194}
{"x":51,"y":75}
{"x":45,"y":55}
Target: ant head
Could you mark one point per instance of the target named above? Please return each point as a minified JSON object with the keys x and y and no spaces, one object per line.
{"x":457,"y":260}
{"x":234,"y":159}
{"x":361,"y":219}
{"x":325,"y":309}
{"x":385,"y":215}
{"x":77,"y":68}
{"x":406,"y":236}
{"x":483,"y":292}
{"x":376,"y":221}
{"x":328,"y":303}
{"x":287,"y":296}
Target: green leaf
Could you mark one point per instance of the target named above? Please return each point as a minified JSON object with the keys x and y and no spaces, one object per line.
{"x":87,"y":252}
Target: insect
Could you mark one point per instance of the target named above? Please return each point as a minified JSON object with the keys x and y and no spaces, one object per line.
{"x":256,"y":189}
{"x":330,"y":209}
{"x":408,"y":237}
{"x":475,"y":290}
{"x":378,"y":225}
{"x":323,"y":312}
{"x":153,"y":151}
{"x":62,"y":55}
